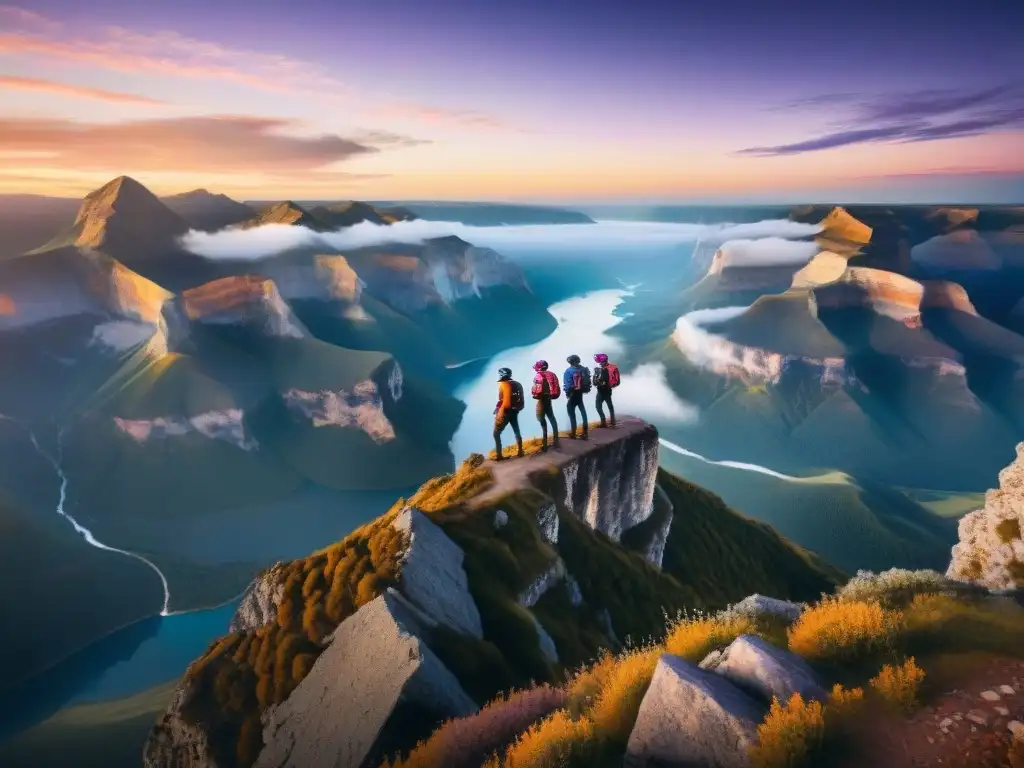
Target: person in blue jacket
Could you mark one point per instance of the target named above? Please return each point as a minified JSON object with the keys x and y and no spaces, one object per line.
{"x":576,"y":383}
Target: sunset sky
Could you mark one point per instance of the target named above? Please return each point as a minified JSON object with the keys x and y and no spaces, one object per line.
{"x":555,"y":101}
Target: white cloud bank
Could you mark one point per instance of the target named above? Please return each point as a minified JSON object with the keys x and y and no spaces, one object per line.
{"x":260,"y":242}
{"x":767,"y":252}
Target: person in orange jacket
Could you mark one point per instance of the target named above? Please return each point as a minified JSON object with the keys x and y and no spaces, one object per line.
{"x":506,"y":412}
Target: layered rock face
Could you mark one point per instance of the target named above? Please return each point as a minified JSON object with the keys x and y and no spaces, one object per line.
{"x":886,"y":293}
{"x":462,"y":271}
{"x":228,"y":426}
{"x":611,"y":488}
{"x":751,"y":364}
{"x":245,"y":300}
{"x":324,"y":277}
{"x":990,"y":552}
{"x":65,"y":283}
{"x":363,"y":406}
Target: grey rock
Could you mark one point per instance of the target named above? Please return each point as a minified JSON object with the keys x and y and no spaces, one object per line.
{"x":977,"y":716}
{"x":432,"y":576}
{"x":690,"y":717}
{"x":712,"y":660}
{"x":1002,"y":711}
{"x":611,"y":488}
{"x":547,"y":644}
{"x":547,"y":519}
{"x":175,"y":743}
{"x":535,"y":591}
{"x":500,"y":519}
{"x":259,"y":602}
{"x":337,"y":714}
{"x":654,"y":551}
{"x":946,"y":723}
{"x":766,"y":671}
{"x":990,"y":696}
{"x":754,"y":606}
{"x":1007,"y":690}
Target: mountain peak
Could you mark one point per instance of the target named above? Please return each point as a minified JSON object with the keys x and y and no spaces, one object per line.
{"x":124,"y":214}
{"x":207,"y":210}
{"x":285,"y":212}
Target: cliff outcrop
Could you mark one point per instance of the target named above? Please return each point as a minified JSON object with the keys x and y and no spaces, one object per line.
{"x":484,"y":579}
{"x":244,"y":301}
{"x":990,"y":552}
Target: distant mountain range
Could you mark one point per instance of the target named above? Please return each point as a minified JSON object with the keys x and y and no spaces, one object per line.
{"x":164,"y":387}
{"x":887,"y":347}
{"x":29,"y":221}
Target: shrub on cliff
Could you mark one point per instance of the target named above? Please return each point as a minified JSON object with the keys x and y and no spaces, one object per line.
{"x":840,"y":631}
{"x":467,"y":742}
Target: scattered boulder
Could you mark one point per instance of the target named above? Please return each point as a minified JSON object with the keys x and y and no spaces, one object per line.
{"x":547,"y":519}
{"x":755,"y":606}
{"x":692,"y":717}
{"x":500,"y":519}
{"x":432,"y":576}
{"x":764,"y":670}
{"x":338,"y":714}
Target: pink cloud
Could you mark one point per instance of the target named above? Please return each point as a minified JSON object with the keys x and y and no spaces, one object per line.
{"x":166,"y":52}
{"x":11,"y":82}
{"x":440,"y":116}
{"x":223,"y":144}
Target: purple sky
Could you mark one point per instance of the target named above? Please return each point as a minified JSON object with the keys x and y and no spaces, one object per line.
{"x":557,"y":100}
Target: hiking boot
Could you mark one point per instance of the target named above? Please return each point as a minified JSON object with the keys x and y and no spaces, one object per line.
{"x":604,"y":423}
{"x":557,"y":444}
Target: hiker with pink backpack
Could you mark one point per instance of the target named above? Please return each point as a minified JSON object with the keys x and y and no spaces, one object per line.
{"x":545,"y":389}
{"x":606,"y":378}
{"x":576,"y":383}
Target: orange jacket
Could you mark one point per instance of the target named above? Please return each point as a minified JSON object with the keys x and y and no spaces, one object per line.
{"x":504,"y":395}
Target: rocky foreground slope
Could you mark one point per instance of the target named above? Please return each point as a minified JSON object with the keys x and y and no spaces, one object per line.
{"x":484,"y":580}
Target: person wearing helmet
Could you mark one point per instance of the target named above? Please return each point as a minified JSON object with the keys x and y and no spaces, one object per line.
{"x":606,"y":376}
{"x":576,"y":383}
{"x":545,"y":389}
{"x":506,"y":412}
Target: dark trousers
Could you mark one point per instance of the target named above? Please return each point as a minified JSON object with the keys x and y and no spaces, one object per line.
{"x":546,"y":413}
{"x":604,"y":395}
{"x":503,"y":419}
{"x":573,"y":401}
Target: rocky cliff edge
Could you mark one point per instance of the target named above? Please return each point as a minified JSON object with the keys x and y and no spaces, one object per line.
{"x":484,"y":580}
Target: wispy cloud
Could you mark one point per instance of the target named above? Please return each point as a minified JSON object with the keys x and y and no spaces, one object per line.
{"x":380,"y":138}
{"x":439,"y":116}
{"x":212,"y":144}
{"x":165,"y":52}
{"x":926,"y":115}
{"x":13,"y":83}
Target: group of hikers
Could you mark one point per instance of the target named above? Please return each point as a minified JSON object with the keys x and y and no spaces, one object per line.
{"x":576,"y":381}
